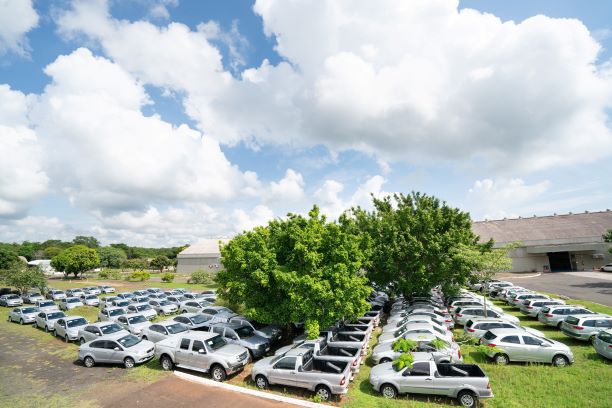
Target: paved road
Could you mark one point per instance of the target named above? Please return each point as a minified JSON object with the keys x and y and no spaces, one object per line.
{"x":593,"y":286}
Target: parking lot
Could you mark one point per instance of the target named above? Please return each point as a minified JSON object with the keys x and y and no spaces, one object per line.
{"x":593,"y":286}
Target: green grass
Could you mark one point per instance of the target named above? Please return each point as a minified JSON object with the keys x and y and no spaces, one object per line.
{"x":586,"y":383}
{"x":122,"y":285}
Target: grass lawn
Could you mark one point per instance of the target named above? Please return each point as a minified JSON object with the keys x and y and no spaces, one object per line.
{"x":586,"y":383}
{"x":123,"y":285}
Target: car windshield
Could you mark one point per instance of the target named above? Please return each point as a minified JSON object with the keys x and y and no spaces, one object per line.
{"x":176,"y":328}
{"x":165,"y":303}
{"x":47,"y":303}
{"x":143,"y":307}
{"x":90,"y":297}
{"x":137,"y":319}
{"x":199,"y":319}
{"x":30,"y":310}
{"x":245,"y":332}
{"x":12,"y":297}
{"x":55,"y":315}
{"x":110,"y":328}
{"x":605,"y":337}
{"x":72,"y":300}
{"x":216,"y":343}
{"x":77,"y":322}
{"x":122,"y":303}
{"x":129,"y":341}
{"x":116,"y":312}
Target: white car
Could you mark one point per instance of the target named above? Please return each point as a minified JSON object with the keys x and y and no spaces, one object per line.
{"x":46,"y":319}
{"x":68,"y":327}
{"x":134,"y":323}
{"x":47,"y":306}
{"x":70,"y":303}
{"x":32,"y":297}
{"x":91,"y":300}
{"x":607,"y":268}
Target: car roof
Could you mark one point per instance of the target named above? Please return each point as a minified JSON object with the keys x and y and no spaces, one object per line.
{"x":231,"y":325}
{"x":488,"y":320}
{"x":167,"y":322}
{"x":199,"y":335}
{"x":112,"y":308}
{"x":101,"y":324}
{"x":73,"y":317}
{"x":591,"y":316}
{"x":501,"y":332}
{"x":140,"y":304}
{"x":419,"y":336}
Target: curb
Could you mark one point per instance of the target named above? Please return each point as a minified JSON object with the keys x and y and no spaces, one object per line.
{"x":248,"y":391}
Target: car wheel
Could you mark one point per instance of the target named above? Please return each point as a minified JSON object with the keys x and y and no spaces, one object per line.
{"x":592,"y":339}
{"x":501,"y":359}
{"x":388,"y":391}
{"x":559,"y":325}
{"x":82,"y":340}
{"x":21,"y":322}
{"x":218,"y":373}
{"x":467,"y":399}
{"x":560,"y":361}
{"x":323,"y":392}
{"x":385,"y":360}
{"x":129,"y":362}
{"x":89,"y":362}
{"x":261,"y":382}
{"x":66,"y":339}
{"x":144,"y":338}
{"x":166,"y":363}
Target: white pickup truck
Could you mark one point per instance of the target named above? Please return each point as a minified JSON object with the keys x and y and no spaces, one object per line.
{"x":466,"y":382}
{"x":322,"y":350}
{"x":299,"y":368}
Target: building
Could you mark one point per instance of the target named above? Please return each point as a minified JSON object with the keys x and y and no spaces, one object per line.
{"x":205,"y":256}
{"x":570,"y":242}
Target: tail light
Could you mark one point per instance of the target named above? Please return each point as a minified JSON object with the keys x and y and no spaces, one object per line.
{"x":492,"y":345}
{"x":343,"y":381}
{"x":459,"y":353}
{"x":548,"y":315}
{"x":609,"y":346}
{"x":459,"y":315}
{"x":529,"y":307}
{"x":471,"y":330}
{"x":488,"y":386}
{"x":355,"y":363}
{"x":578,"y":327}
{"x":448,"y":321}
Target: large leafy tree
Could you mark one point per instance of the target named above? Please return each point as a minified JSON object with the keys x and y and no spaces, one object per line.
{"x":607,"y":237}
{"x":296,"y":269}
{"x":91,"y":242}
{"x":161,"y":262}
{"x":111,"y":257}
{"x":23,"y":278}
{"x":417,"y":242}
{"x":8,"y":257}
{"x":76,"y":260}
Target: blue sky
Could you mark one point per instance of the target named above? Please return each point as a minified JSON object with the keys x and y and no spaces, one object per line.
{"x":160,"y":122}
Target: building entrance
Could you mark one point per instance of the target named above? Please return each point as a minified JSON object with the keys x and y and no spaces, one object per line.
{"x":559,"y":261}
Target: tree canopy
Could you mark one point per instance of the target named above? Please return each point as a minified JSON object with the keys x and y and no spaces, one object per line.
{"x":296,"y":270}
{"x":76,"y":260}
{"x":607,"y":237}
{"x":160,"y":262}
{"x":111,"y":257}
{"x":91,"y":242}
{"x":23,"y":278}
{"x":8,"y":257}
{"x":417,"y":243}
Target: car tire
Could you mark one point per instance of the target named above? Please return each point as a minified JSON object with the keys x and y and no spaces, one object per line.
{"x":47,"y":329}
{"x":218,"y":373}
{"x":592,"y":339}
{"x":467,"y":399}
{"x":82,"y":341}
{"x":560,"y":361}
{"x":261,"y":382}
{"x":559,"y":325}
{"x":166,"y":363}
{"x":501,"y":359}
{"x":21,"y":322}
{"x":384,"y":360}
{"x":66,"y":339}
{"x":129,"y":362}
{"x":323,"y":392}
{"x":144,"y":338}
{"x":388,"y":391}
{"x":89,"y":362}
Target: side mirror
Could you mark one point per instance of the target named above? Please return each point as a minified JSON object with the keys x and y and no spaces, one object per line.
{"x":202,"y":351}
{"x":117,"y":349}
{"x":98,"y":334}
{"x":300,"y":369}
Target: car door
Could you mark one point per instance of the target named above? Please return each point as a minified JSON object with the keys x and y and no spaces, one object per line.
{"x":123,"y":322}
{"x":534,"y":351}
{"x":40,"y":319}
{"x":115,"y":352}
{"x":157,"y":333}
{"x":417,"y":379}
{"x":61,"y":330}
{"x":182,"y":354}
{"x":231,"y":336}
{"x":198,"y":357}
{"x":284,"y":372}
{"x":513,"y":347}
{"x":99,"y":351}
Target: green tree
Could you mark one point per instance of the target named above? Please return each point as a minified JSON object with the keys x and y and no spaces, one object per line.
{"x":23,"y":278}
{"x":160,"y":262}
{"x":416,"y":241}
{"x":111,"y":257}
{"x":607,"y":237}
{"x":90,"y":242}
{"x":28,"y":249}
{"x":76,"y":260}
{"x":51,"y":251}
{"x":135,"y":264}
{"x":8,"y":257}
{"x":296,"y":270}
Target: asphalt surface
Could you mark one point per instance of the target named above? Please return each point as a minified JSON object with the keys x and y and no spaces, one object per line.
{"x":592,"y":286}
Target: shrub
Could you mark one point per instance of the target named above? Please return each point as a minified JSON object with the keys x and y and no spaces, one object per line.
{"x":140,"y":276}
{"x":202,"y":277}
{"x":404,"y":345}
{"x":115,"y":275}
{"x":104,"y":274}
{"x":405,"y":360}
{"x":167,"y":277}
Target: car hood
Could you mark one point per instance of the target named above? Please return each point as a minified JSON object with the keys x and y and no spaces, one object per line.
{"x":383,"y":348}
{"x":283,"y":350}
{"x":141,"y":325}
{"x":32,"y":314}
{"x":230,"y":350}
{"x":386,"y":337}
{"x":142,"y":347}
{"x":256,"y":340}
{"x":263,"y":363}
{"x":383,"y":370}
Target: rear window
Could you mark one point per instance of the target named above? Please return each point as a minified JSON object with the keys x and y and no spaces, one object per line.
{"x":469,"y":323}
{"x":605,"y":337}
{"x":572,"y":320}
{"x":545,"y":309}
{"x":489,"y":336}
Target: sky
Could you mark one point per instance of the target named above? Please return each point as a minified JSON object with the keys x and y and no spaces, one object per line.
{"x":163,"y":122}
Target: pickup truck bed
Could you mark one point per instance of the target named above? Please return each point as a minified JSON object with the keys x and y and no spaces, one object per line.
{"x":460,"y":370}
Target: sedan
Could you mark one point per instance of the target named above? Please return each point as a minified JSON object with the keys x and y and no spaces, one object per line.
{"x":449,"y":353}
{"x":94,"y":290}
{"x":195,"y":321}
{"x":163,"y":307}
{"x":75,"y":293}
{"x":424,"y":328}
{"x":117,"y":348}
{"x":10,"y":300}
{"x":46,"y":319}
{"x":91,"y":300}
{"x":68,"y":327}
{"x":603,"y":344}
{"x":106,"y":289}
{"x":478,"y":327}
{"x":107,"y":301}
{"x":507,"y":345}
{"x":23,"y":315}
{"x":110,"y":314}
{"x":141,"y":293}
{"x":193,"y":306}
{"x":56,"y":294}
{"x":47,"y":305}
{"x":70,"y":303}
{"x":125,"y":295}
{"x":123,"y":303}
{"x":134,"y":323}
{"x":32,"y":297}
{"x":467,"y":313}
{"x":144,"y":309}
{"x":99,"y":329}
{"x":176,"y":300}
{"x":162,"y":330}
{"x":140,"y":299}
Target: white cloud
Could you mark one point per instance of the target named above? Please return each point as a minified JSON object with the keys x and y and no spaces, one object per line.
{"x":34,"y":228}
{"x":289,"y":188}
{"x":22,"y":177}
{"x":17,"y":17}
{"x":258,"y":216}
{"x":329,"y":195}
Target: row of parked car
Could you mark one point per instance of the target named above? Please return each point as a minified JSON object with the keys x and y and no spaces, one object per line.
{"x":575,"y":321}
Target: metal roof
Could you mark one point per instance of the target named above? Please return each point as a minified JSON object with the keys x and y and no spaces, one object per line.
{"x":205,"y":248}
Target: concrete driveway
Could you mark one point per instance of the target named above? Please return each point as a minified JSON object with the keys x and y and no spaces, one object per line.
{"x":593,"y":286}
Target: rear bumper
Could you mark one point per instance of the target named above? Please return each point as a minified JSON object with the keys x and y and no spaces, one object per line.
{"x":574,"y":335}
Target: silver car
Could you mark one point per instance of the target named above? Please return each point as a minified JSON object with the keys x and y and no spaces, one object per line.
{"x":107,"y":301}
{"x":110,"y":313}
{"x":144,"y":309}
{"x":75,"y":293}
{"x":125,"y":295}
{"x":603,"y":343}
{"x":465,"y":314}
{"x":106,"y":289}
{"x":478,"y":327}
{"x":10,"y":300}
{"x":585,"y":327}
{"x":555,"y":315}
{"x":23,"y":315}
{"x":123,"y":303}
{"x":46,"y":305}
{"x":91,"y":300}
{"x":99,"y":329}
{"x":55,"y":294}
{"x":134,"y":323}
{"x":68,"y":327}
{"x":384,"y":353}
{"x":70,"y":303}
{"x":32,"y":297}
{"x":517,"y":301}
{"x":176,"y":300}
{"x":117,"y":348}
{"x":94,"y":290}
{"x":532,"y":307}
{"x":163,"y":307}
{"x":423,"y":328}
{"x":517,"y":345}
{"x":140,"y":299}
{"x":193,"y":306}
{"x":46,"y":319}
{"x":162,"y":330}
